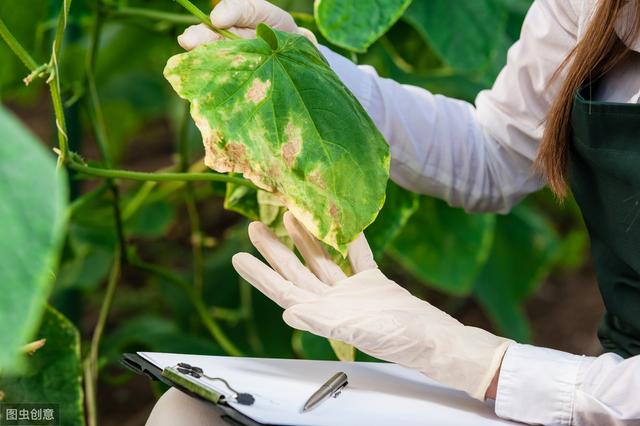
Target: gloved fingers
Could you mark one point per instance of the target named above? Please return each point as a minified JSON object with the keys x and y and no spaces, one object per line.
{"x":295,"y":317}
{"x":269,"y":282}
{"x":319,"y":320}
{"x":197,"y":35}
{"x":282,"y":259}
{"x":316,"y":257}
{"x":360,"y":255}
{"x":250,"y":13}
{"x":308,"y":34}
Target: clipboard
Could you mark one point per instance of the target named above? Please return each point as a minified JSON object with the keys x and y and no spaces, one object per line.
{"x":139,"y":365}
{"x":378,"y":394}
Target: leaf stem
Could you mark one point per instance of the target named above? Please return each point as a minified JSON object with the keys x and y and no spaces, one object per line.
{"x":156,"y":15}
{"x":157,"y":177}
{"x":16,"y":47}
{"x":91,"y":363}
{"x":100,"y":130}
{"x":193,"y":9}
{"x":212,"y":326}
{"x":54,"y":83}
{"x":189,"y":199}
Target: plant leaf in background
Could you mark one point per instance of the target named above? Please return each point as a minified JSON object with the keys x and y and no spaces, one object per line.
{"x":272,"y":109}
{"x":53,"y":374}
{"x":469,"y":36}
{"x":525,"y":248}
{"x":356,"y":24}
{"x":443,"y":246}
{"x":22,"y":24}
{"x":399,"y":206}
{"x":33,"y":216}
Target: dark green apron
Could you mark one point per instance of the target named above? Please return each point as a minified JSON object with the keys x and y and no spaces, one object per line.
{"x":604,"y":173}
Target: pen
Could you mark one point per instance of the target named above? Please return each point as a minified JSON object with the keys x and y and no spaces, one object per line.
{"x":331,"y":387}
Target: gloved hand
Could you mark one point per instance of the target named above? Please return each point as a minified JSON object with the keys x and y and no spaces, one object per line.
{"x":241,"y":17}
{"x":368,"y":310}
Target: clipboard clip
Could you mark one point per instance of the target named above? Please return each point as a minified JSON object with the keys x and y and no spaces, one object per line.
{"x":197,"y":373}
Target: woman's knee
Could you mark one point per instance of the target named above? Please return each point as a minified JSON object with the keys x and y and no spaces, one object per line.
{"x":177,"y":408}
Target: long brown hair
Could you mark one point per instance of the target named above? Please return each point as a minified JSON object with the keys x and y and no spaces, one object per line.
{"x":597,"y":52}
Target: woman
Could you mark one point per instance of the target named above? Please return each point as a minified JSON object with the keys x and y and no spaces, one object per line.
{"x":576,"y":70}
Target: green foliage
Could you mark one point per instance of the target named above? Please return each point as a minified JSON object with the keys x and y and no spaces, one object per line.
{"x":177,"y":290}
{"x":53,"y":374}
{"x":354,"y":24}
{"x":272,"y":109}
{"x":29,"y":35}
{"x":399,"y":206}
{"x":470,"y":35}
{"x":444,"y":246}
{"x":33,"y":216}
{"x":524,"y":249}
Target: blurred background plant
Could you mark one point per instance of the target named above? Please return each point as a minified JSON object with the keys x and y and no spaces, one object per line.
{"x":100,"y":260}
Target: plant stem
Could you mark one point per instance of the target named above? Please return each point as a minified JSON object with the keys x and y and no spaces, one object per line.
{"x":192,"y":210}
{"x":157,"y":177}
{"x":54,"y":83}
{"x":16,"y":47}
{"x":156,"y":15}
{"x":211,"y":325}
{"x":100,"y":130}
{"x":91,"y":363}
{"x":193,"y":9}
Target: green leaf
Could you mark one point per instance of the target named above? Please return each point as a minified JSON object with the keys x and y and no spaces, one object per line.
{"x":155,"y":334}
{"x":53,"y":373}
{"x":283,"y":119}
{"x":356,"y":24}
{"x":444,"y":247}
{"x":242,"y":199}
{"x":23,"y":23}
{"x":310,"y":346}
{"x":524,"y":250}
{"x":464,"y":33}
{"x":343,"y":351}
{"x":399,"y":206}
{"x":33,"y":216}
{"x":152,"y":220}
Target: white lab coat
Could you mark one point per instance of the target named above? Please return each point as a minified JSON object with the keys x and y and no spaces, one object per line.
{"x":479,"y":158}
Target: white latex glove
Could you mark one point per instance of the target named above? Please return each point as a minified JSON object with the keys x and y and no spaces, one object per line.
{"x":241,"y":17}
{"x":367,"y":310}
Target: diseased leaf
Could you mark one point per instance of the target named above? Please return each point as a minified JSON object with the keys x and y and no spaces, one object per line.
{"x":443,"y":246}
{"x":310,"y":346}
{"x":53,"y":374}
{"x":272,"y":109}
{"x":525,"y":248}
{"x":356,"y":24}
{"x":343,"y":351}
{"x":33,"y":217}
{"x":242,"y":199}
{"x":469,"y":36}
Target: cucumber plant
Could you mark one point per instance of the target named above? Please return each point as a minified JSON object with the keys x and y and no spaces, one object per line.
{"x":144,"y":256}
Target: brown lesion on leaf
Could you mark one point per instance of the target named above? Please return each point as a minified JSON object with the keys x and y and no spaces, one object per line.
{"x":258,"y":90}
{"x":333,"y":210}
{"x":232,"y":158}
{"x":316,"y":178}
{"x":291,"y":148}
{"x":274,"y":170}
{"x":237,"y":60}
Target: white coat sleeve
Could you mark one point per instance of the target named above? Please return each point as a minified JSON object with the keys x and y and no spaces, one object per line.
{"x":478,"y":158}
{"x":549,"y":387}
